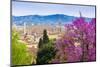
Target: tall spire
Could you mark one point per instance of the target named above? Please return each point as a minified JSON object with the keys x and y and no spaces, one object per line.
{"x":24,"y":28}
{"x":80,"y":13}
{"x":59,"y":23}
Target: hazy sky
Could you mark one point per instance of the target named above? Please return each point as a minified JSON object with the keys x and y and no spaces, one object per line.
{"x":30,"y":8}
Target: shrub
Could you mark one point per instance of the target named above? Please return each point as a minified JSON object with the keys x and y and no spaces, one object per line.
{"x":45,"y":53}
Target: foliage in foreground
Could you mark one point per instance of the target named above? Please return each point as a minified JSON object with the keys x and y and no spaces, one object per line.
{"x":20,"y":56}
{"x":78,"y":43}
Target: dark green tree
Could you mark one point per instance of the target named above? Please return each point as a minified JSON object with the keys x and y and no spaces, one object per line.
{"x":45,"y":50}
{"x":45,"y":37}
{"x":45,"y":53}
{"x":40,"y":43}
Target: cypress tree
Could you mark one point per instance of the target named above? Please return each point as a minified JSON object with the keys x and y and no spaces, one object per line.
{"x":45,"y":37}
{"x":40,"y":43}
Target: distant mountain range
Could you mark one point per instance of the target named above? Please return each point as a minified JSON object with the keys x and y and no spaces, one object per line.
{"x":49,"y":19}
